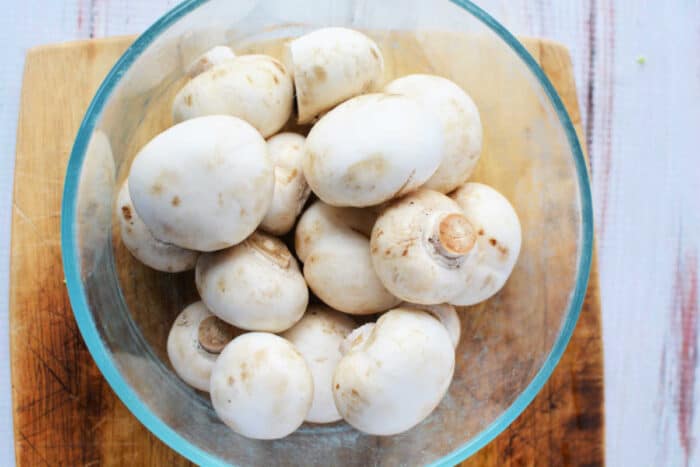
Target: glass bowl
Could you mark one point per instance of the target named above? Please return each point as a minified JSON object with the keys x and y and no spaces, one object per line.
{"x":510,"y":344}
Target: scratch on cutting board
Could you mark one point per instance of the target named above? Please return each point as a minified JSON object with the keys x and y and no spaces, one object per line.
{"x":25,"y":217}
{"x":29,"y":443}
{"x":685,"y":306}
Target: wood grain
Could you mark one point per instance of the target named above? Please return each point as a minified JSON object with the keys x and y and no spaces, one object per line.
{"x":64,"y":411}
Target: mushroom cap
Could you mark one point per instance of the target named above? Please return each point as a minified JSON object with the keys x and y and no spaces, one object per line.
{"x":321,"y":220}
{"x":291,"y":190}
{"x":331,"y":65}
{"x":209,"y":59}
{"x":255,"y":285}
{"x":256,"y":88}
{"x":143,"y":245}
{"x":393,"y":379}
{"x":337,"y":263}
{"x":399,"y":149}
{"x":261,"y":386}
{"x":461,"y":126}
{"x":356,"y":337}
{"x":204,"y":184}
{"x":446,"y":314}
{"x":339,"y":271}
{"x":190,"y":360}
{"x":499,"y":238}
{"x":419,"y":245}
{"x":318,"y":337}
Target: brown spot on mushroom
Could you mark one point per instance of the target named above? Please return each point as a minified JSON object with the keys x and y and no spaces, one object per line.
{"x":481,"y":231}
{"x":319,"y":73}
{"x":374,"y":53}
{"x":221,"y":284}
{"x":279,"y":66}
{"x":275,"y":79}
{"x":366,"y":170}
{"x":175,"y":201}
{"x":245,"y":375}
{"x":188,"y":100}
{"x":231,"y":380}
{"x":126,"y":212}
{"x":374,"y":249}
{"x":242,"y":212}
{"x":129,"y":230}
{"x":259,"y":356}
{"x":213,"y":334}
{"x":337,"y":386}
{"x":219,"y":72}
{"x":156,"y":189}
{"x":503,"y":250}
{"x":405,"y":252}
{"x":493,"y":241}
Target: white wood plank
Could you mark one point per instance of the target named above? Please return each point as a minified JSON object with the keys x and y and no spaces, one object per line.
{"x":25,"y":24}
{"x":642,"y":129}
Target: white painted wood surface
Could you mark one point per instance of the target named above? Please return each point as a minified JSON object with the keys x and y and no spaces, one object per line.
{"x":637,"y":66}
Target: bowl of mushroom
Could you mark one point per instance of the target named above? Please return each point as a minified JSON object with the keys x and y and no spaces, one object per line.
{"x":308,"y":235}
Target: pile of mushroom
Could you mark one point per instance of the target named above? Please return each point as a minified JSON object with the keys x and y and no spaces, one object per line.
{"x":353,"y":316}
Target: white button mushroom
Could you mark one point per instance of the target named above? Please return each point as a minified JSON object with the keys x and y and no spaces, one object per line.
{"x":204,"y":184}
{"x":195,"y":341}
{"x":143,"y":245}
{"x":256,"y":88}
{"x":261,"y":386}
{"x":446,"y":314}
{"x":209,"y":59}
{"x":332,"y":65}
{"x":419,"y":246}
{"x":460,"y":122}
{"x":318,"y":337}
{"x":371,"y":149}
{"x":391,"y":380}
{"x":333,"y":245}
{"x":291,"y":190}
{"x":255,"y":285}
{"x":498,"y":241}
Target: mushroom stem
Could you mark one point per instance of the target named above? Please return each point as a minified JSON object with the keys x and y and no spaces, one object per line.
{"x":213,"y":334}
{"x":274,"y":251}
{"x":452,"y":236}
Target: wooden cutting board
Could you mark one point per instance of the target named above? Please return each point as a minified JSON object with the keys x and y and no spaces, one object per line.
{"x":64,"y":411}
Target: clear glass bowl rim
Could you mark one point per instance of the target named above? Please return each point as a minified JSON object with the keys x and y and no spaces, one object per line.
{"x":101,"y":355}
